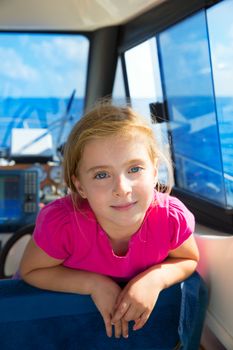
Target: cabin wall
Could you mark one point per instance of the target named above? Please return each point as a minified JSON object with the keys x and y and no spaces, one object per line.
{"x":215,"y":266}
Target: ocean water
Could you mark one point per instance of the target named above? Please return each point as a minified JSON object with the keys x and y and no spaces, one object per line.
{"x":47,"y":113}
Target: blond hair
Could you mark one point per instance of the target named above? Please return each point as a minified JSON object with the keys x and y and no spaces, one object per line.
{"x":104,"y":120}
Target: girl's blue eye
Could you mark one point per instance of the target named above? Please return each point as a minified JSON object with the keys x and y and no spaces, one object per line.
{"x":135,"y":169}
{"x":101,"y":176}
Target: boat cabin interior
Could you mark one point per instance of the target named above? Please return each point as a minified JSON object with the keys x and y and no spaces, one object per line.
{"x":172,"y":61}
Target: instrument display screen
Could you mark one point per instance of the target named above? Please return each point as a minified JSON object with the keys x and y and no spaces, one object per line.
{"x":10,"y":203}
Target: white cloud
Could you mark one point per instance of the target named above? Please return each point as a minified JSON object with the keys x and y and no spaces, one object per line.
{"x":71,"y":47}
{"x":223,"y":56}
{"x":44,"y":66}
{"x":13,"y":67}
{"x":222,"y":59}
{"x":58,"y":49}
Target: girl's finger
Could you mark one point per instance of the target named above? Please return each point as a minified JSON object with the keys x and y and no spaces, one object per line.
{"x":133,"y":314}
{"x":120,"y":311}
{"x":108,"y":326}
{"x":125,"y":328}
{"x":141,"y":321}
{"x":117,"y":328}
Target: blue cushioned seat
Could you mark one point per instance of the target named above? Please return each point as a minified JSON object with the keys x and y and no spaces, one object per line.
{"x":31,"y":319}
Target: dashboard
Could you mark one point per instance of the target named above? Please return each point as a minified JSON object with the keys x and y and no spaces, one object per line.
{"x":50,"y":179}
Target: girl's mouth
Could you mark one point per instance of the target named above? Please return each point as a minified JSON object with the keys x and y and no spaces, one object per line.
{"x":122,"y":207}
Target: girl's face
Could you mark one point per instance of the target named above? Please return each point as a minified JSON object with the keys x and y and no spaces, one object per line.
{"x":117,"y":177}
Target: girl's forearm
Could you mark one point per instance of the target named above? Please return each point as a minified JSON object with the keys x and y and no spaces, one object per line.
{"x":171,"y":271}
{"x":63,"y":279}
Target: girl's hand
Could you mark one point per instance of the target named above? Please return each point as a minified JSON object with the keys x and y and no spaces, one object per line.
{"x":138,"y":298}
{"x":105,"y":294}
{"x":136,"y":301}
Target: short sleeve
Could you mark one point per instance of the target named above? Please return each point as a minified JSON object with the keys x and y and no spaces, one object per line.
{"x":181,"y":222}
{"x":52,"y":231}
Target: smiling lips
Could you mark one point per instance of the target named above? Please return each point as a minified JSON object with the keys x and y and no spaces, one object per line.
{"x":123,"y":207}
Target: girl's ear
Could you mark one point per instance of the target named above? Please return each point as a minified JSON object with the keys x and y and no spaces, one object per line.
{"x":78,"y":186}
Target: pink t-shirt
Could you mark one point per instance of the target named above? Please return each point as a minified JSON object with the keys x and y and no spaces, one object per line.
{"x":75,"y":236}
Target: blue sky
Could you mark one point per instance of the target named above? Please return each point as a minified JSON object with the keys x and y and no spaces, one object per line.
{"x":221,"y":42}
{"x":186,"y":45}
{"x":42,"y":65}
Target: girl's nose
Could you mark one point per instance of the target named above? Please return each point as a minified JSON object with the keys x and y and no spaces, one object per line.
{"x":122,"y":186}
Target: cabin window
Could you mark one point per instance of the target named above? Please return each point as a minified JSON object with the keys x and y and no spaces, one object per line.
{"x":145,"y":92}
{"x":199,"y":102}
{"x":220,"y":28}
{"x":119,"y":95}
{"x":182,"y":79}
{"x":143,"y":79}
{"x":43,"y":81}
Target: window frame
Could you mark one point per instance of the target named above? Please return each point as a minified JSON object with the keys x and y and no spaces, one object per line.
{"x":137,"y":31}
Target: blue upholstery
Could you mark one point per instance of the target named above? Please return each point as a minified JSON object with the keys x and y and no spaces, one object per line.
{"x":31,"y":319}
